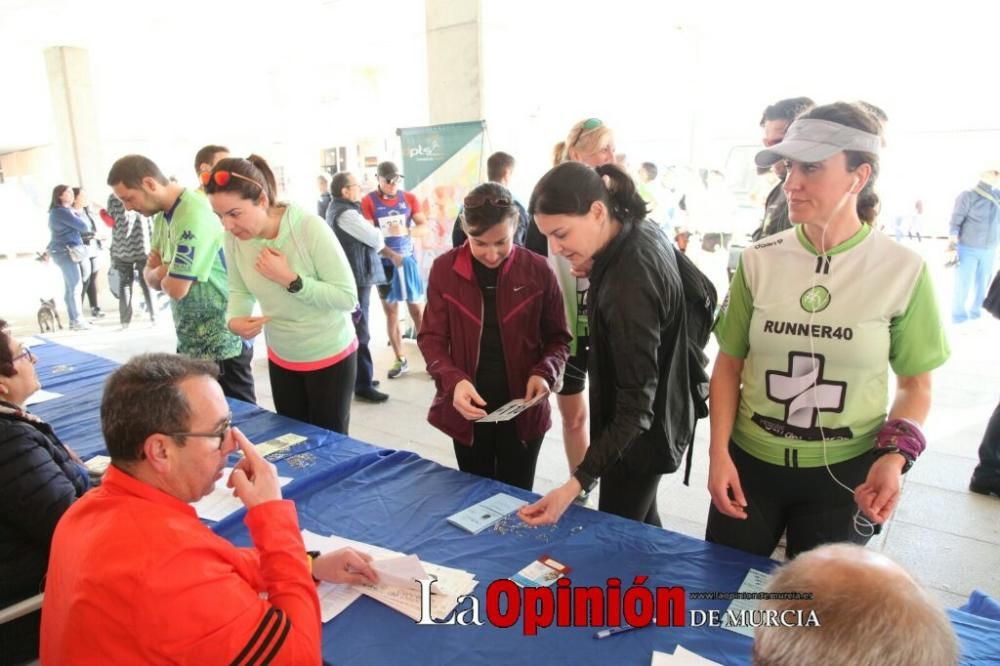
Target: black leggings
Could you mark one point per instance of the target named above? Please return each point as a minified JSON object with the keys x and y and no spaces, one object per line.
{"x":320,"y":397}
{"x":630,"y":494}
{"x":497,"y":454}
{"x":805,"y":501}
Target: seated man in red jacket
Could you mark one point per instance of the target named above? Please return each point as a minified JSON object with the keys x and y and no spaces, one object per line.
{"x":136,"y":578}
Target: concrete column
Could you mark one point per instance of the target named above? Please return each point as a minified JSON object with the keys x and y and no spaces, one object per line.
{"x":454,"y":60}
{"x":75,"y":116}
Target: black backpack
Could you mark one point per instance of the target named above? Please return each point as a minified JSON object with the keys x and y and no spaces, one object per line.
{"x":700,"y":300}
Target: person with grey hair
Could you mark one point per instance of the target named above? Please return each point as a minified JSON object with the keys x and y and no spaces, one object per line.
{"x":135,"y":577}
{"x":869,"y":612}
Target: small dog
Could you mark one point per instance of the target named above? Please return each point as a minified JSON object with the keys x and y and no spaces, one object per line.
{"x":47,"y":314}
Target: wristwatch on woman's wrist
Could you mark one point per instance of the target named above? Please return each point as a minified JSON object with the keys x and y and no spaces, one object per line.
{"x":587,"y":482}
{"x":895,"y":449}
{"x":295,"y":286}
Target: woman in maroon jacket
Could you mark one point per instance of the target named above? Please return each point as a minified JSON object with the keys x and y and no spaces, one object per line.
{"x":494,"y":330}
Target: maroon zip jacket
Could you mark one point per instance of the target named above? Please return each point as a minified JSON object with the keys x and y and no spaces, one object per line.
{"x":532,"y":328}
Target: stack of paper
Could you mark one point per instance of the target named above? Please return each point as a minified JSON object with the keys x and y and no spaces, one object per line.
{"x":221,"y":502}
{"x":397,"y":587}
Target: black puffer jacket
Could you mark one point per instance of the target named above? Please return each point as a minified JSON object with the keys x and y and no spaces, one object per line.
{"x":38,"y":482}
{"x":640,"y":403}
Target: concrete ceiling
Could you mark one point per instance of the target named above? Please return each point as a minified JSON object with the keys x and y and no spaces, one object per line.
{"x":931,"y":65}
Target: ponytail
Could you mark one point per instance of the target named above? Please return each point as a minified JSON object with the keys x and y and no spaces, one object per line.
{"x":625,"y":202}
{"x":559,"y":153}
{"x":572,"y":187}
{"x":271,"y":186}
{"x":255,"y":176}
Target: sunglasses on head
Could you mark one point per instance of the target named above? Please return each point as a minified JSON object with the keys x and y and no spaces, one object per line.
{"x":478,"y":200}
{"x":222,"y":178}
{"x":588,"y":125}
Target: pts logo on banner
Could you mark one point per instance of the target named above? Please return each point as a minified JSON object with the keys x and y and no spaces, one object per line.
{"x":426,"y":150}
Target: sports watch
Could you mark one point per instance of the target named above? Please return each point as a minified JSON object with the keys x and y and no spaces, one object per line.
{"x":295,"y":286}
{"x":895,"y":449}
{"x":587,"y":482}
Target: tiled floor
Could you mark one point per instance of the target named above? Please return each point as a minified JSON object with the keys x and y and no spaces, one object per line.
{"x":946,"y":536}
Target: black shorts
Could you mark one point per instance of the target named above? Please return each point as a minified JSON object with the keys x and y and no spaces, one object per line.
{"x":575,"y":377}
{"x":805,"y":503}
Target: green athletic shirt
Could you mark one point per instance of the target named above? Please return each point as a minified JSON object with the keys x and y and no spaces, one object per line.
{"x":311,"y":329}
{"x":836,"y":321}
{"x":189,"y":240}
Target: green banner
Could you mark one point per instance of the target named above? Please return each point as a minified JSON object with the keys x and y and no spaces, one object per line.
{"x":425,"y":149}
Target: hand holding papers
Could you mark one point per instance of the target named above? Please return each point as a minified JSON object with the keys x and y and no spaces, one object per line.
{"x":345,"y":565}
{"x":512,"y":409}
{"x":397,"y":587}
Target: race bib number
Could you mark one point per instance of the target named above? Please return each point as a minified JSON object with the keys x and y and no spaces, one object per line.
{"x":393,"y":225}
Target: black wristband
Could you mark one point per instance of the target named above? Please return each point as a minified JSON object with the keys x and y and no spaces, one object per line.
{"x":312,"y":555}
{"x":893,"y":449}
{"x":587,"y":482}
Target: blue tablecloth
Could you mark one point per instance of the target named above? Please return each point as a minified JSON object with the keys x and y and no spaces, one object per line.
{"x":400,"y":501}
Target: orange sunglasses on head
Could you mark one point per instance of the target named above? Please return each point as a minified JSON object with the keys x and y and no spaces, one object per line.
{"x":222,"y":178}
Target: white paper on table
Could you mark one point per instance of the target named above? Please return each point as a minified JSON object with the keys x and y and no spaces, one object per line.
{"x":41,"y":395}
{"x":277,"y":444}
{"x":221,"y":502}
{"x":98,"y":464}
{"x":32,"y":341}
{"x":400,"y":571}
{"x":334,"y":598}
{"x":511,"y":409}
{"x":680,"y":657}
{"x":755,"y":581}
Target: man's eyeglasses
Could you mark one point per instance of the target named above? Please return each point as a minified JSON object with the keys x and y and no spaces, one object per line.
{"x":26,"y":353}
{"x":222,"y":178}
{"x":221,"y":433}
{"x":478,"y":200}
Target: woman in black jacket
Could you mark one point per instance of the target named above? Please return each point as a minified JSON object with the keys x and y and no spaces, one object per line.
{"x":640,"y":404}
{"x":39,"y":478}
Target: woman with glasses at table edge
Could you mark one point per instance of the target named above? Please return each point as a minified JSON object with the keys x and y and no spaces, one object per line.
{"x":494,"y":330}
{"x":288,"y":260}
{"x":40,"y":477}
{"x":592,"y":142}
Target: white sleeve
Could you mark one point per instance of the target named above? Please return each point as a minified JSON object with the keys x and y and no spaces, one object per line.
{"x":354,"y":224}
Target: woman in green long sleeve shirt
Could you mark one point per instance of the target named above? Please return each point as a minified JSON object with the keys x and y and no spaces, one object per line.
{"x":289,"y":261}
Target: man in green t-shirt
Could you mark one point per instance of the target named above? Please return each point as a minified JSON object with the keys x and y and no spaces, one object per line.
{"x":186,"y":262}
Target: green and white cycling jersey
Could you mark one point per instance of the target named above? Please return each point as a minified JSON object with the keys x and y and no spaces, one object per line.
{"x":817,"y":334}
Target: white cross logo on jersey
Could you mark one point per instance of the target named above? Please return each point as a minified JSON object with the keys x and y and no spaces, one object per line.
{"x":803,"y":390}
